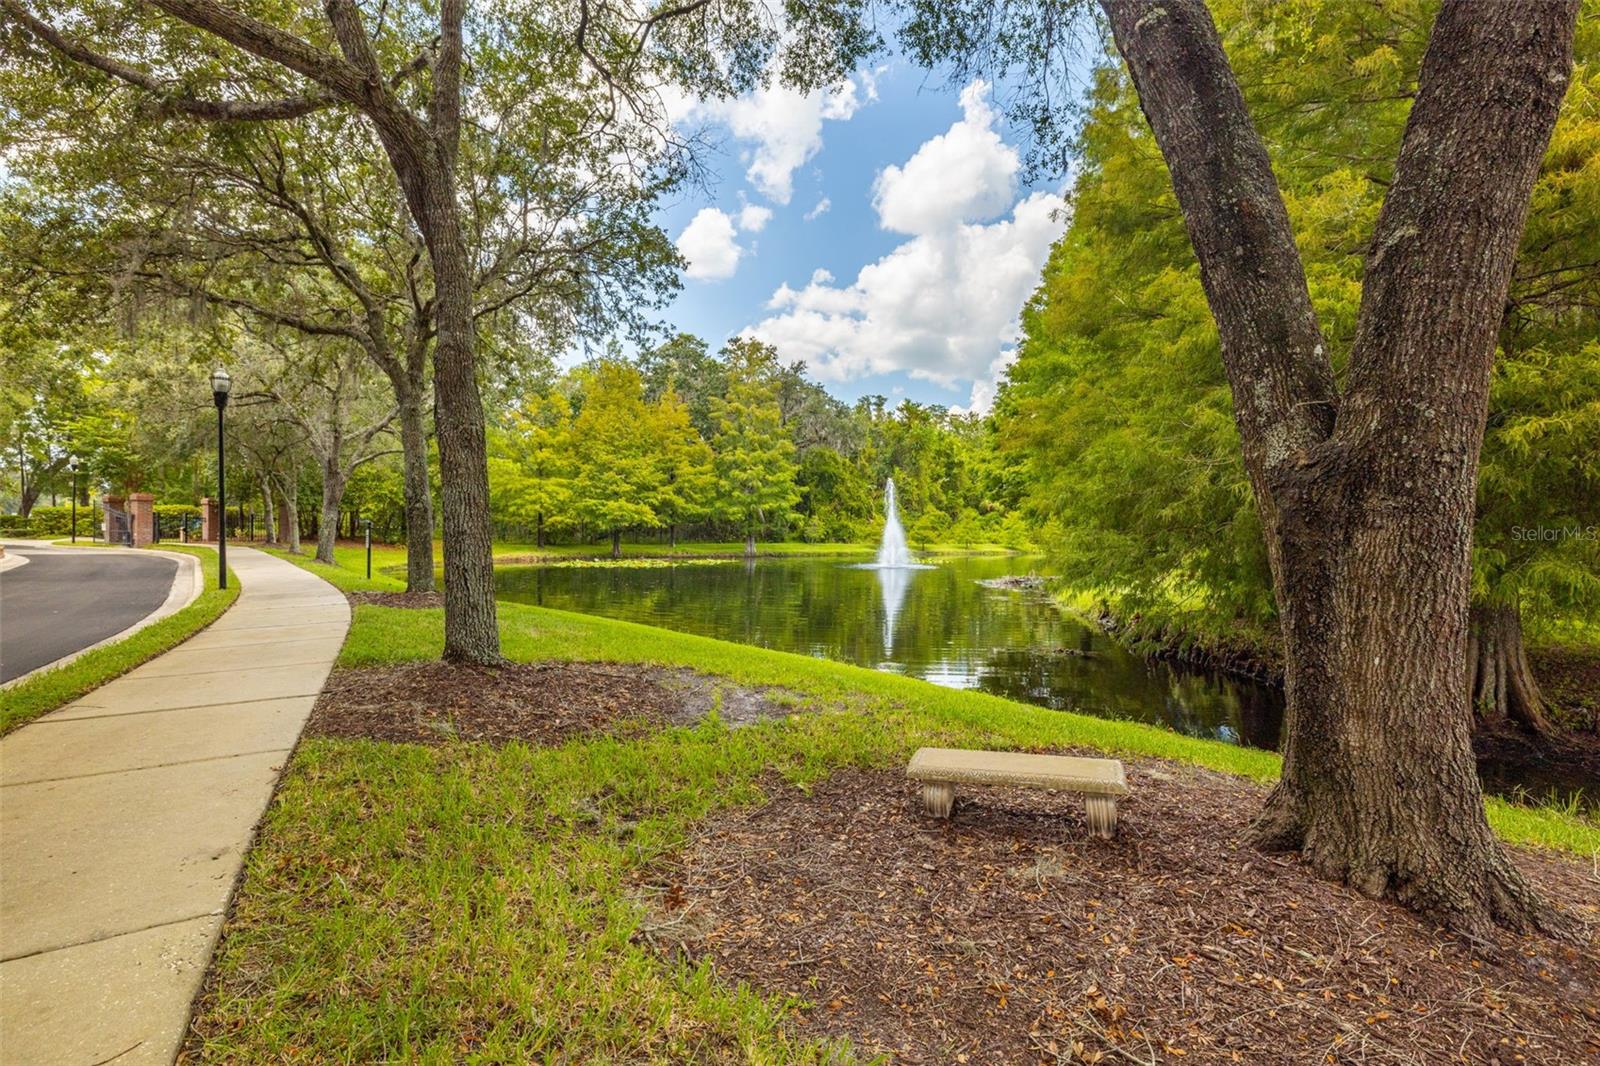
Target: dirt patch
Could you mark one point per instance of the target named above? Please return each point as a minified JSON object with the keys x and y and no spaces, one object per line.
{"x":1570,"y":678}
{"x":541,"y":703}
{"x":1009,"y":936}
{"x":413,"y":600}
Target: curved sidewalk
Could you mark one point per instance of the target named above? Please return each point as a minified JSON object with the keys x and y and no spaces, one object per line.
{"x":125,"y":817}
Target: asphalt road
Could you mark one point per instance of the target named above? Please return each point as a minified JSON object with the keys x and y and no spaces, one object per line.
{"x":64,"y":600}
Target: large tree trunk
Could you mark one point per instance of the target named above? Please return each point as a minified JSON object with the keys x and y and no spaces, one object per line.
{"x":267,"y":536}
{"x":1503,"y":686}
{"x":616,"y":544}
{"x":1368,"y":500}
{"x":538,"y":534}
{"x":333,"y":482}
{"x":750,"y":544}
{"x":291,"y":507}
{"x":418,"y":493}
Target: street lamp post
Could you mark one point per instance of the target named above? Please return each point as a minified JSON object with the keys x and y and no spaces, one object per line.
{"x":221,"y":383}
{"x":366,"y":524}
{"x":72,"y":465}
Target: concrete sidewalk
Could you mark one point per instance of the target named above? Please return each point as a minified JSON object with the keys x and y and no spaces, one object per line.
{"x":124,"y":819}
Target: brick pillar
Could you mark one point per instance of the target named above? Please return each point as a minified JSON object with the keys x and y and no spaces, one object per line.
{"x":210,"y":519}
{"x":142,"y":516}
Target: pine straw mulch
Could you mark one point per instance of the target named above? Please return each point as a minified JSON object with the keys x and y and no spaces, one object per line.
{"x":543,"y":703}
{"x":1009,"y":936}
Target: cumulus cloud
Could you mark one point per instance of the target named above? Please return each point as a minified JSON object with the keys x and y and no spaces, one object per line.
{"x":821,"y":209}
{"x":943,"y":305}
{"x":964,"y":174}
{"x":753,"y":217}
{"x":782,"y":127}
{"x":707,"y":242}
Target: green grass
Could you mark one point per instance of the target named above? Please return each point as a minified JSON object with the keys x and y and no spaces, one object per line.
{"x":46,"y":691}
{"x":389,"y":560}
{"x":476,"y":903}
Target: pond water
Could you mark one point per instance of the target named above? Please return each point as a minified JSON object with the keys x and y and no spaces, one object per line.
{"x":938,"y":623}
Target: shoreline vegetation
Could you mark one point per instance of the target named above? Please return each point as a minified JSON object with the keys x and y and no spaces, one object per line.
{"x":1570,"y":656}
{"x":55,"y":687}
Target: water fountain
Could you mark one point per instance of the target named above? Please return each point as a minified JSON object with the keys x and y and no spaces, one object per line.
{"x":892,"y":550}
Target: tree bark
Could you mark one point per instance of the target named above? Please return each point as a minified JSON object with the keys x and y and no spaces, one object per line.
{"x":1503,"y":686}
{"x":750,"y":544}
{"x":418,"y":491}
{"x":267,"y":536}
{"x":538,"y":533}
{"x":291,"y":506}
{"x":616,"y":544}
{"x":1367,"y":500}
{"x":333,"y":483}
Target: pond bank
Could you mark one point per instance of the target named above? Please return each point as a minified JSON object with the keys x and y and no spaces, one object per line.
{"x":1509,"y":758}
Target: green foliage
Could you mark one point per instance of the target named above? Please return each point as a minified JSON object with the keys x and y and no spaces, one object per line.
{"x":687,"y":479}
{"x":52,"y":522}
{"x":617,"y":469}
{"x":754,"y":456}
{"x":1117,"y":418}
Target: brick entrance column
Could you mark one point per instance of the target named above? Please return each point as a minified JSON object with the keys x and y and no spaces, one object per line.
{"x":142,"y":516}
{"x":210,"y":519}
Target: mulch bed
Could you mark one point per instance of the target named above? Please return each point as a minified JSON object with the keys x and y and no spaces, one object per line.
{"x":1570,"y":677}
{"x":1009,"y":936}
{"x":540,"y":703}
{"x":413,"y":600}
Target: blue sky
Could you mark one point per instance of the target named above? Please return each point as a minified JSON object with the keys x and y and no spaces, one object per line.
{"x":883,"y":234}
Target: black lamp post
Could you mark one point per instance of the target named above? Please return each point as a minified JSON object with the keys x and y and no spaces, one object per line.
{"x":221,"y":383}
{"x":366,"y":524}
{"x":72,"y":465}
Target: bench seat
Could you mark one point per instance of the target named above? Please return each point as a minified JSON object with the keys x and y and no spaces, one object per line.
{"x":941,"y":769}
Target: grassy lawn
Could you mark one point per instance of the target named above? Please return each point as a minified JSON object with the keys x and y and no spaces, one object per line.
{"x":467,"y":902}
{"x":389,"y":560}
{"x":54,"y":688}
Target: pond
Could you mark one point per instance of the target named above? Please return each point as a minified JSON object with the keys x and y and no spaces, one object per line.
{"x":942,"y":624}
{"x":939,"y":624}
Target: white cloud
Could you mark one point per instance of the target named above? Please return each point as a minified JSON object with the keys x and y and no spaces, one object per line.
{"x":783,"y":128}
{"x":943,"y":306}
{"x":707,"y":242}
{"x":753,"y":217}
{"x":986,"y":388}
{"x":965,"y":174}
{"x":821,"y":209}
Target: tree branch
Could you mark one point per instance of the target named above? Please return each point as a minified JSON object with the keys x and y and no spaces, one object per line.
{"x":194,"y":107}
{"x":1282,"y":380}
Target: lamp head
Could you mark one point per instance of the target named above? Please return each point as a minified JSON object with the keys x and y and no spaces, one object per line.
{"x":221,"y":385}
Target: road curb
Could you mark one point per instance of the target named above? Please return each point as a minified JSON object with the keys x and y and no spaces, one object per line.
{"x":187,"y":583}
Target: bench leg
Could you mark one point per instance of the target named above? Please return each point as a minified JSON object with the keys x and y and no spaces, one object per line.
{"x":1102,"y":816}
{"x":939,"y":797}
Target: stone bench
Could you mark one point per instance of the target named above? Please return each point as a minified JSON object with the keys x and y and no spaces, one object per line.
{"x":941,"y":769}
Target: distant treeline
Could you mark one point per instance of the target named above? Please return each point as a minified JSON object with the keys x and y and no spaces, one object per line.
{"x":735,"y":445}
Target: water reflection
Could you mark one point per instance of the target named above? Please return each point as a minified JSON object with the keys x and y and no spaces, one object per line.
{"x":893,"y":581}
{"x":937,"y":623}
